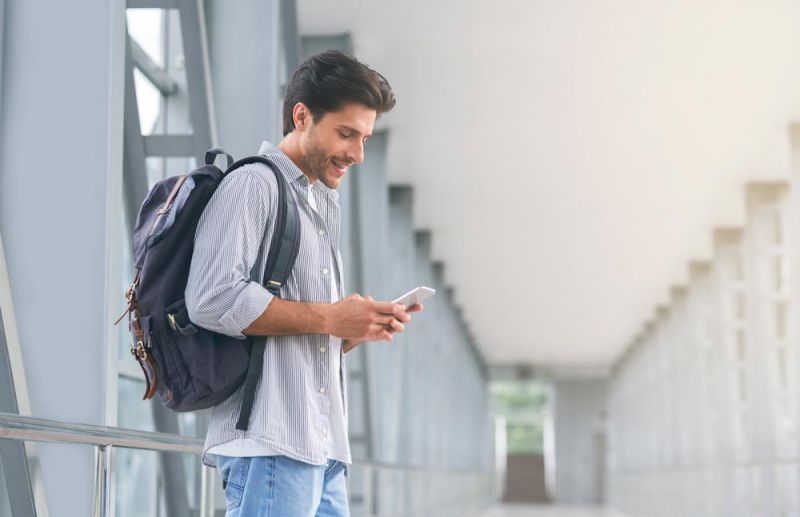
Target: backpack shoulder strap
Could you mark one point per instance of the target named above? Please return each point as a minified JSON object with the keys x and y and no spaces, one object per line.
{"x":280,"y":260}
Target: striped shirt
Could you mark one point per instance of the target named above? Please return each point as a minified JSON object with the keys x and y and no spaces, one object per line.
{"x":292,"y":409}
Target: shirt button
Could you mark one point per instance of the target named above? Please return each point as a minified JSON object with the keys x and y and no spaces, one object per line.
{"x":322,"y":390}
{"x":324,"y":432}
{"x":325,"y":271}
{"x":322,"y":232}
{"x":322,"y":349}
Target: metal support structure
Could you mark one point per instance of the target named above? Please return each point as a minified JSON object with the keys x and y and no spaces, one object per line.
{"x":24,"y":487}
{"x":134,"y":168}
{"x":207,"y":504}
{"x":355,"y":243}
{"x":152,"y":4}
{"x":137,"y":148}
{"x":315,"y":44}
{"x":448,"y":491}
{"x":12,"y":454}
{"x":198,"y":76}
{"x":103,"y":504}
{"x":154,"y":73}
{"x":165,"y":146}
{"x":292,"y":45}
{"x":2,"y":39}
{"x":369,"y":219}
{"x":246,"y":72}
{"x":172,"y":472}
{"x":20,"y":429}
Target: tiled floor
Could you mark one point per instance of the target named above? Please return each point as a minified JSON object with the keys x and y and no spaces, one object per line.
{"x":548,"y":511}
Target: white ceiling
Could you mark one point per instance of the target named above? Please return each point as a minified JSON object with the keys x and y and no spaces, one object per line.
{"x":575,"y":153}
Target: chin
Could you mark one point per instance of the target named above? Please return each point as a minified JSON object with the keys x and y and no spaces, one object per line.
{"x":332,"y":182}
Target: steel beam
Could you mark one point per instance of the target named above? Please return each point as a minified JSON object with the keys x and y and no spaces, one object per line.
{"x":198,"y":77}
{"x":245,"y":72}
{"x":137,"y":148}
{"x":172,"y":472}
{"x":169,"y":145}
{"x":21,"y":469}
{"x":154,"y":73}
{"x":320,"y":43}
{"x":152,"y":4}
{"x":2,"y":39}
{"x":134,"y":169}
{"x":292,"y":44}
{"x":12,"y":453}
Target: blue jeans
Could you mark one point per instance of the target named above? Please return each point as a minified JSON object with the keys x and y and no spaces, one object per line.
{"x":278,"y":486}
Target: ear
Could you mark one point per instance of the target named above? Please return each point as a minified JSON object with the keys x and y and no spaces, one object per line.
{"x":301,"y":116}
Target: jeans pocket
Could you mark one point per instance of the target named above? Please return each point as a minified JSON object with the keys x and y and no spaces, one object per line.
{"x":234,"y":477}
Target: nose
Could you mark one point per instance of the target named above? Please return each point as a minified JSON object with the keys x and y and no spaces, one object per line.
{"x":355,"y":152}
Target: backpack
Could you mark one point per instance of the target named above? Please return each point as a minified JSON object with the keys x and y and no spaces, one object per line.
{"x":188,"y":367}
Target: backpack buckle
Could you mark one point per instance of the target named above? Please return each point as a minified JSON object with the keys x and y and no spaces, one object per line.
{"x":172,"y":322}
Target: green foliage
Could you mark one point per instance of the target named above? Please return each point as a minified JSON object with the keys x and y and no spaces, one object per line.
{"x":525,"y":438}
{"x":524,"y":405}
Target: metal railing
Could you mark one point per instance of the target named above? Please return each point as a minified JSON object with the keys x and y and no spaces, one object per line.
{"x":105,"y":439}
{"x":386,"y":489}
{"x":390,"y":490}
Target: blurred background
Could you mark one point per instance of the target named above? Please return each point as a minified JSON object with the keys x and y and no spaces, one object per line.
{"x":604,"y":194}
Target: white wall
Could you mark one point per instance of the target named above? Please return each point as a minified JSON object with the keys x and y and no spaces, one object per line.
{"x":579,"y":425}
{"x":703,"y":408}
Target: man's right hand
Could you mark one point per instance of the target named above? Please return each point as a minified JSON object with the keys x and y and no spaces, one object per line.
{"x":363,"y":319}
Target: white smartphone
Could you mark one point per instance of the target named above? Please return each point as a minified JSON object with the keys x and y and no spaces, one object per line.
{"x":416,"y":295}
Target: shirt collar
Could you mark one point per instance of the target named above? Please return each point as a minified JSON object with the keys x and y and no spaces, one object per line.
{"x":292,"y":171}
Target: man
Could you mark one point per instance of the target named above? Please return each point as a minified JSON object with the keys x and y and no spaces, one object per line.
{"x":293,"y":458}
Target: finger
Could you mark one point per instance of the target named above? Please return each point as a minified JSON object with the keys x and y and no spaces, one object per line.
{"x":389,"y":308}
{"x":417,"y":307}
{"x":383,"y":319}
{"x":376,"y":332}
{"x":386,"y":336}
{"x":403,"y":318}
{"x":396,"y":326}
{"x":370,"y":298}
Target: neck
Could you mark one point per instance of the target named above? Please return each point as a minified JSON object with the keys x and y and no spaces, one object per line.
{"x":290,"y":145}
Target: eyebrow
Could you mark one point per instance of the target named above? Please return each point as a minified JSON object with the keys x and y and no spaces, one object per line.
{"x":354,"y":130}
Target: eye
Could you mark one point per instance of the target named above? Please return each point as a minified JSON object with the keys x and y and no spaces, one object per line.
{"x":345,"y":134}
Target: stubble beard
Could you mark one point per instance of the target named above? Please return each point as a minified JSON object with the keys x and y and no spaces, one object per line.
{"x":314,"y":158}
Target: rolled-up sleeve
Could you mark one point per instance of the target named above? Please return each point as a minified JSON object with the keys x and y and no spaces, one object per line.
{"x":220,"y":293}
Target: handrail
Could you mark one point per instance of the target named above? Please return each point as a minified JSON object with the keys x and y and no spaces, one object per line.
{"x":105,"y":438}
{"x":43,"y":430}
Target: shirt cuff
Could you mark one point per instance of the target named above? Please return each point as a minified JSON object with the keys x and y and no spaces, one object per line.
{"x":248,"y":306}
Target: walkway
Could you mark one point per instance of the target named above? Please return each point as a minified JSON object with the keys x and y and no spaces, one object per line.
{"x":524,"y":510}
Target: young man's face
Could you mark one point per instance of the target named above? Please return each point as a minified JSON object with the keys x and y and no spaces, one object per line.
{"x":336,"y":141}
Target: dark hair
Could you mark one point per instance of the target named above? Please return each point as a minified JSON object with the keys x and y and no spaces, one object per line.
{"x":330,"y":80}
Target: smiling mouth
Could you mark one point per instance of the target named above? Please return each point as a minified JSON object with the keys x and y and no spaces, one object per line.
{"x":342,"y":168}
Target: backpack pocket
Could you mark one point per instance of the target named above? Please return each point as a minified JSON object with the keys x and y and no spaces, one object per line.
{"x":214,"y":364}
{"x":192,"y":348}
{"x":178,"y":318}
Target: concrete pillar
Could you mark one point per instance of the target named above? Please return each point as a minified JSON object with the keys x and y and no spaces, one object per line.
{"x":244,"y":43}
{"x":579,"y":408}
{"x":60,"y":193}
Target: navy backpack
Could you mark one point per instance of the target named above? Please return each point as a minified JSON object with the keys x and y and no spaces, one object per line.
{"x":191,"y":368}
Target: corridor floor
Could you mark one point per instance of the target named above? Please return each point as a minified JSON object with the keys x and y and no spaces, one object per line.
{"x":524,"y":510}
